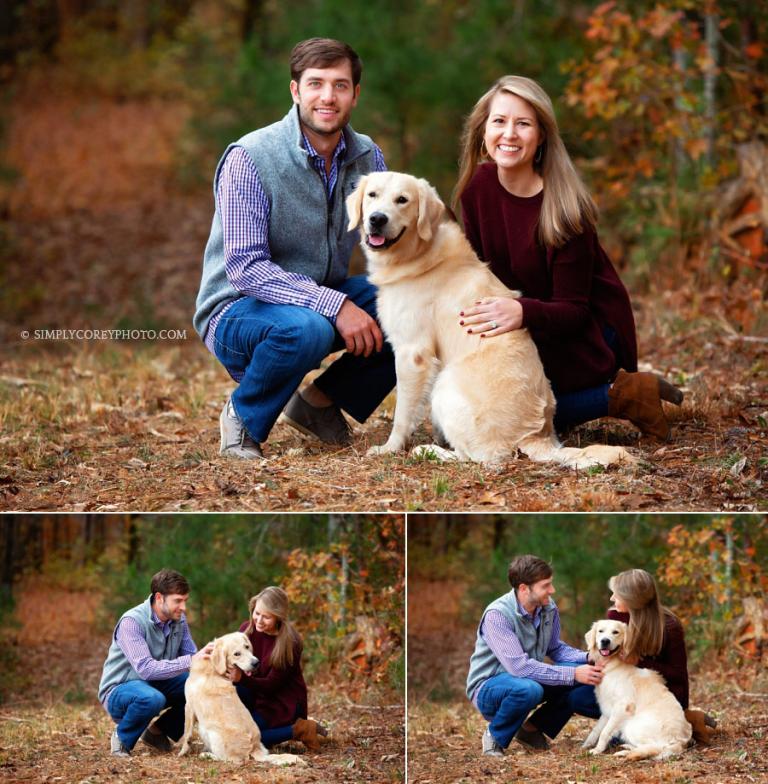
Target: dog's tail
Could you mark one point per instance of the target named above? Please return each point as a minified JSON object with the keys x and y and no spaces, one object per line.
{"x":547,"y":449}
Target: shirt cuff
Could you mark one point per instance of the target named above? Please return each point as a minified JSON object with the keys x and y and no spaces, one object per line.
{"x":329,"y":303}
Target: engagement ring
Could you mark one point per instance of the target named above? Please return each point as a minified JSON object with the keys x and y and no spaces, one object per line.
{"x":494,"y":325}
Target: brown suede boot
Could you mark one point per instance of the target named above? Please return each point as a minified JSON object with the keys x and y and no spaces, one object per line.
{"x":309,"y":732}
{"x":637,"y":397}
{"x":702,"y":725}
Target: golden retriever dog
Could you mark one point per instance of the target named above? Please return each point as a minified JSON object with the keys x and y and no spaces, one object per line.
{"x":225,"y":726}
{"x":634,"y":703}
{"x":489,"y":396}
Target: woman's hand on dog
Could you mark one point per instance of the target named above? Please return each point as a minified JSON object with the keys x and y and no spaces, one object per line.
{"x":234,"y":674}
{"x":506,"y":313}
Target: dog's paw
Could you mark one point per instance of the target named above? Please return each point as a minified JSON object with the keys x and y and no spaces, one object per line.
{"x":433,"y":452}
{"x":596,"y":751}
{"x":383,"y":449}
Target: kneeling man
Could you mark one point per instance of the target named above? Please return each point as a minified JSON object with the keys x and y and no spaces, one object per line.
{"x":147,"y":665}
{"x":508,"y":677}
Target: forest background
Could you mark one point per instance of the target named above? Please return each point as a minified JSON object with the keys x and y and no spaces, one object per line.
{"x":114,"y":115}
{"x":711,"y":571}
{"x":68,"y":578}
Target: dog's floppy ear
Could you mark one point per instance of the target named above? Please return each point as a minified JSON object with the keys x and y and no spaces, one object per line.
{"x":430,"y":210}
{"x":219,"y":657}
{"x":355,"y":204}
{"x":590,"y":636}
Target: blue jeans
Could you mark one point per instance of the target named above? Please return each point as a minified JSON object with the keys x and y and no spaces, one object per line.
{"x":134,"y":704}
{"x":269,"y":349}
{"x":505,"y":702}
{"x":584,"y":405}
{"x":270,"y":736}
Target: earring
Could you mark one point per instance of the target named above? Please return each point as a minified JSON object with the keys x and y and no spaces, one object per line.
{"x":539,"y":154}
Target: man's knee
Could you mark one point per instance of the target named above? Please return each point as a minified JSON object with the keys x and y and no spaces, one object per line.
{"x":532,"y":693}
{"x":311,"y":335}
{"x":150,"y":703}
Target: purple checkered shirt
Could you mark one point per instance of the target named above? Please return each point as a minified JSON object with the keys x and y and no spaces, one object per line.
{"x":244,"y":210}
{"x":500,"y":636}
{"x":133,"y":644}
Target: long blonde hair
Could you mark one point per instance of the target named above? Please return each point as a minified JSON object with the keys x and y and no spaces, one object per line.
{"x":275,"y":602}
{"x":567,"y":208}
{"x":637,"y":589}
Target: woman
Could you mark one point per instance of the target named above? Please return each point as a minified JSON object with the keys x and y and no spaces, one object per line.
{"x":655,"y":639}
{"x":275,"y":693}
{"x":527,"y":213}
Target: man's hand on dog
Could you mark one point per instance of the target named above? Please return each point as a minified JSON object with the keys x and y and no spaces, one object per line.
{"x":361,"y":333}
{"x":204,"y":653}
{"x":589,"y":674}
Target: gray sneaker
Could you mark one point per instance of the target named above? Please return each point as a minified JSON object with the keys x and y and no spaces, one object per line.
{"x":235,"y":441}
{"x":490,"y":747}
{"x":117,"y":747}
{"x":326,"y":423}
{"x":157,"y":740}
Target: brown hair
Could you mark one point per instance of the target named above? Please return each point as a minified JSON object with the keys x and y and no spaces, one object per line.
{"x":167,"y":581}
{"x":567,"y":209}
{"x":527,"y":569}
{"x":637,"y":589}
{"x":275,"y":601}
{"x":323,"y":53}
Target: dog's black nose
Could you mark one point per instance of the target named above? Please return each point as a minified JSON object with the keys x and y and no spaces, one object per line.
{"x":605,"y":643}
{"x":377,"y":220}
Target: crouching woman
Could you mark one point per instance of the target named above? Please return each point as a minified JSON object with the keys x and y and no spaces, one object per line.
{"x":275,"y":693}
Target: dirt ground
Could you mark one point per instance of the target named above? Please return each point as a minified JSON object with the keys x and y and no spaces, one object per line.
{"x":444,"y":729}
{"x":52,"y":729}
{"x":127,"y":428}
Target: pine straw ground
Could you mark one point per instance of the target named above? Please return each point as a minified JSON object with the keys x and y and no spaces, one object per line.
{"x":52,"y":729}
{"x":119,"y":427}
{"x":444,"y":730}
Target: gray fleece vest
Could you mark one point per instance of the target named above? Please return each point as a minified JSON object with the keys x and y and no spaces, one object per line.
{"x":117,"y":668}
{"x":307,"y":233}
{"x":483,"y":663}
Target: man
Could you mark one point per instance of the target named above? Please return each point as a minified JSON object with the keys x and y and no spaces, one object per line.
{"x":508,"y":677}
{"x":275,"y":298}
{"x":147,"y":665}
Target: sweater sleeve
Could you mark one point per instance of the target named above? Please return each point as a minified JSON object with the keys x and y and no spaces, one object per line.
{"x":567,"y":310}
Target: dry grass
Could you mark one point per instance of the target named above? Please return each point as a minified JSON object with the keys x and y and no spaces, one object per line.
{"x":115,"y":427}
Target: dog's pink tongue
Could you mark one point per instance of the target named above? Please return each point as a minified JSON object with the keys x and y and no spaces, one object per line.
{"x":376,"y":239}
{"x":605,"y":652}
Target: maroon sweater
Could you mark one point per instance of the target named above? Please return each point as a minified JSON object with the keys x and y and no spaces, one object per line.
{"x":280,"y":696}
{"x":571,"y":294}
{"x":671,"y":661}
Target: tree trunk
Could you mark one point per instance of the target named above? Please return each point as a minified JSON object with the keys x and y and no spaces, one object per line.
{"x":711,"y":22}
